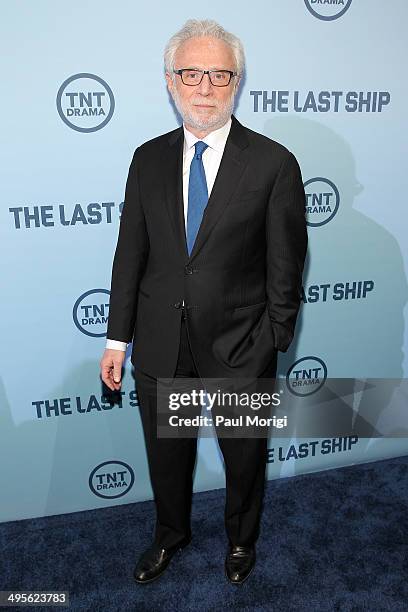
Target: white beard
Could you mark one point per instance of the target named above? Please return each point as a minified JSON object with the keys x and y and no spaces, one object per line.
{"x":220,"y":118}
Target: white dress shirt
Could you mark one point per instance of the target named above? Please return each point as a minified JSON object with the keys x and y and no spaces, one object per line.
{"x":211,"y":160}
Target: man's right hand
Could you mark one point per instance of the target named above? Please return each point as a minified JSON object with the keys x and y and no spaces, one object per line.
{"x":111,"y":368}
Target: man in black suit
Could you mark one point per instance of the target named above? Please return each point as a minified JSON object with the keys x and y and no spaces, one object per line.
{"x":206,"y":280}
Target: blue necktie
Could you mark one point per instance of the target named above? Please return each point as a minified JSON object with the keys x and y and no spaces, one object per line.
{"x":197,"y":194}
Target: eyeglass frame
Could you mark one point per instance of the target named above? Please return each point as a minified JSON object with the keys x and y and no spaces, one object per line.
{"x":203,"y":72}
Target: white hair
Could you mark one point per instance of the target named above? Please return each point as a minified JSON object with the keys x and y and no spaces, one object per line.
{"x":194,"y":28}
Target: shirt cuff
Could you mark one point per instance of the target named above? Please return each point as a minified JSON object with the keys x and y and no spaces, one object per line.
{"x":117,"y":345}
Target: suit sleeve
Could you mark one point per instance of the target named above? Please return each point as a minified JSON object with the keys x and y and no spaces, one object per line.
{"x":286,"y":240}
{"x":129,"y":261}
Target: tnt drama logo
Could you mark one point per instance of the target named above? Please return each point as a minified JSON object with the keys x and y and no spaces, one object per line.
{"x":322,"y":201}
{"x":306,"y":376}
{"x":327,"y":10}
{"x":111,"y":479}
{"x":85,"y":102}
{"x":91,"y":311}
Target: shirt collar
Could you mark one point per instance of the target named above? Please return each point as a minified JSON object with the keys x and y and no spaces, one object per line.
{"x":216,"y":140}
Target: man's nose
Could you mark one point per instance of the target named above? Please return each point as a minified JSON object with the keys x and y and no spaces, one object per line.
{"x":205,"y":87}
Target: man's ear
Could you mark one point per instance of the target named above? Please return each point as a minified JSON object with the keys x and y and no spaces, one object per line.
{"x":237,"y":83}
{"x":170,"y":82}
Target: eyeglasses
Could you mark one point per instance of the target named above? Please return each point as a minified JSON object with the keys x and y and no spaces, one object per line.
{"x":218,"y":78}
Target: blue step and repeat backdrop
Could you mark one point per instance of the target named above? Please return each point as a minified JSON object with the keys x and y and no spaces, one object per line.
{"x":82,"y":87}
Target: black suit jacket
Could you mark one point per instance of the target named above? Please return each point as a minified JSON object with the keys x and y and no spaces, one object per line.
{"x":242,"y":282}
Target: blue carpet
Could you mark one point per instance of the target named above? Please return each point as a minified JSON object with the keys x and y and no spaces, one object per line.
{"x":333,"y":540}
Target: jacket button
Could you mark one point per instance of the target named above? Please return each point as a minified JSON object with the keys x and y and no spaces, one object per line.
{"x":188,"y":270}
{"x":177,"y":305}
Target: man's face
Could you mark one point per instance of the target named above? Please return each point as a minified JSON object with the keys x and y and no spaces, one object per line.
{"x":203,"y":107}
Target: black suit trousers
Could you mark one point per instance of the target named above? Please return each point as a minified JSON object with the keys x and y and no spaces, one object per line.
{"x":171,"y":466}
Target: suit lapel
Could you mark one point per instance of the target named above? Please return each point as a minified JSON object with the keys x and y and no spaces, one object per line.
{"x":173,"y":165}
{"x":230,"y":172}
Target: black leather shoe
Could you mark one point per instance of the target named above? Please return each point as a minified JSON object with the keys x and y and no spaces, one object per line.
{"x":239,"y":563}
{"x":154,"y":561}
